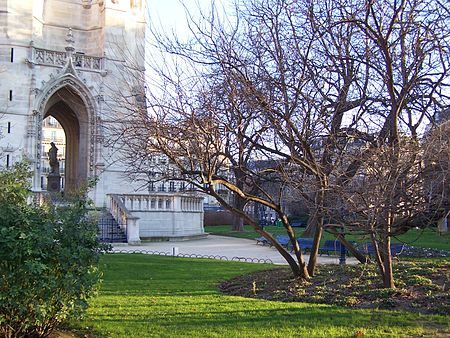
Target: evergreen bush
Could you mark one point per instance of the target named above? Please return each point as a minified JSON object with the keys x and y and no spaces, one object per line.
{"x":48,"y":259}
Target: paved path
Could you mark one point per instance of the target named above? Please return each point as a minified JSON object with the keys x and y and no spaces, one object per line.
{"x":228,"y":247}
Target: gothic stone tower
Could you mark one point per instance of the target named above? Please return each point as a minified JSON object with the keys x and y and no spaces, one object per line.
{"x":61,"y":58}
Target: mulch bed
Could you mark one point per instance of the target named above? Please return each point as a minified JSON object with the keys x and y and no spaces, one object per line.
{"x":421,"y":287}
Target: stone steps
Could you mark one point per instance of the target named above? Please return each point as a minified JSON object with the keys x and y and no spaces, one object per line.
{"x":109,"y":231}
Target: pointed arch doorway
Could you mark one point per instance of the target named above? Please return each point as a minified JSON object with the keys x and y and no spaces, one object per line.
{"x":67,"y":105}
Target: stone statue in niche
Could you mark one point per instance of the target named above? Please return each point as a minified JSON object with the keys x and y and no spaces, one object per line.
{"x":53,"y":178}
{"x":53,"y":159}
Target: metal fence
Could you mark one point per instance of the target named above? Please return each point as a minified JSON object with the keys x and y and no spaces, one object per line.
{"x":218,"y":257}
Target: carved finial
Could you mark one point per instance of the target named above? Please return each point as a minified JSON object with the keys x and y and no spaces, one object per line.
{"x":70,"y":42}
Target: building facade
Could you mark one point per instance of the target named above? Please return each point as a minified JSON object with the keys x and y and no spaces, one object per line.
{"x":58,"y":59}
{"x":61,"y":69}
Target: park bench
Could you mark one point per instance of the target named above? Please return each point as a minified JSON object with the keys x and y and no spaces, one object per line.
{"x":262,"y":240}
{"x":330,"y":246}
{"x":284,"y":241}
{"x":396,"y":248}
{"x":305,"y":244}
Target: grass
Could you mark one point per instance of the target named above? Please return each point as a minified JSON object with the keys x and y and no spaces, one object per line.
{"x":225,"y":230}
{"x":424,"y":238}
{"x":153,"y":296}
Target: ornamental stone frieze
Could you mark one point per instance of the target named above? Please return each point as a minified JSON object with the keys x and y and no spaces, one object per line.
{"x":54,"y":58}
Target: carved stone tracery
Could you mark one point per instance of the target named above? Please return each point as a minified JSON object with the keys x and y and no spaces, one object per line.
{"x":54,"y":58}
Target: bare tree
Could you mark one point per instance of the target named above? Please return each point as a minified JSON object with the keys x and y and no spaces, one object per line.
{"x":384,"y":74}
{"x":297,"y":84}
{"x":390,"y":194}
{"x":410,"y":70}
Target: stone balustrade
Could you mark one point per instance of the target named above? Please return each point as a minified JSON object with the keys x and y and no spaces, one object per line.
{"x":162,"y":202}
{"x":191,"y":204}
{"x":158,"y":215}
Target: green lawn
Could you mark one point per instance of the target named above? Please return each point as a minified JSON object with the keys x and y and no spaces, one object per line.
{"x":225,"y":230}
{"x":425,"y":238}
{"x":153,"y":296}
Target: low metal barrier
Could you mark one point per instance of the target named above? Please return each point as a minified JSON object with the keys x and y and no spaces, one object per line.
{"x":218,"y":257}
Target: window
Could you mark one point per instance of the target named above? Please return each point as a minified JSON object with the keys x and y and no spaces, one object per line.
{"x":52,"y":121}
{"x":9,"y":127}
{"x":53,"y":135}
{"x":162,"y":187}
{"x":151,"y":186}
{"x":171,"y":186}
{"x":182,"y":186}
{"x":10,"y":95}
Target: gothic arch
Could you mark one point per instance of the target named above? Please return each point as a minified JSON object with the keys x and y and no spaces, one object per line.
{"x":69,"y":100}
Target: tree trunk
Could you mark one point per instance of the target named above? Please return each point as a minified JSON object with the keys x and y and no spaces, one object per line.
{"x":295,"y":246}
{"x":298,"y":270}
{"x":310,"y":227}
{"x":388,"y":277}
{"x":315,"y":249}
{"x":360,"y":257}
{"x":378,"y":256}
{"x":238,"y":223}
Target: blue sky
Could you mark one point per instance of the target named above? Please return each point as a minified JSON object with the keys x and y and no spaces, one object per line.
{"x":171,"y":13}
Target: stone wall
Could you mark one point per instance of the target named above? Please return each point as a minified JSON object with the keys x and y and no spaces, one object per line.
{"x":98,"y":29}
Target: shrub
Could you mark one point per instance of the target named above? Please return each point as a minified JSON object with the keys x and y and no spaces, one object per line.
{"x":48,"y":259}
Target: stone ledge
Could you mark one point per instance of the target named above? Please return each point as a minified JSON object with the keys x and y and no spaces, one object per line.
{"x":173,"y":238}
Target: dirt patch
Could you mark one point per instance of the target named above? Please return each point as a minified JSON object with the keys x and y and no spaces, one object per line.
{"x":62,"y":334}
{"x":422,"y":287}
